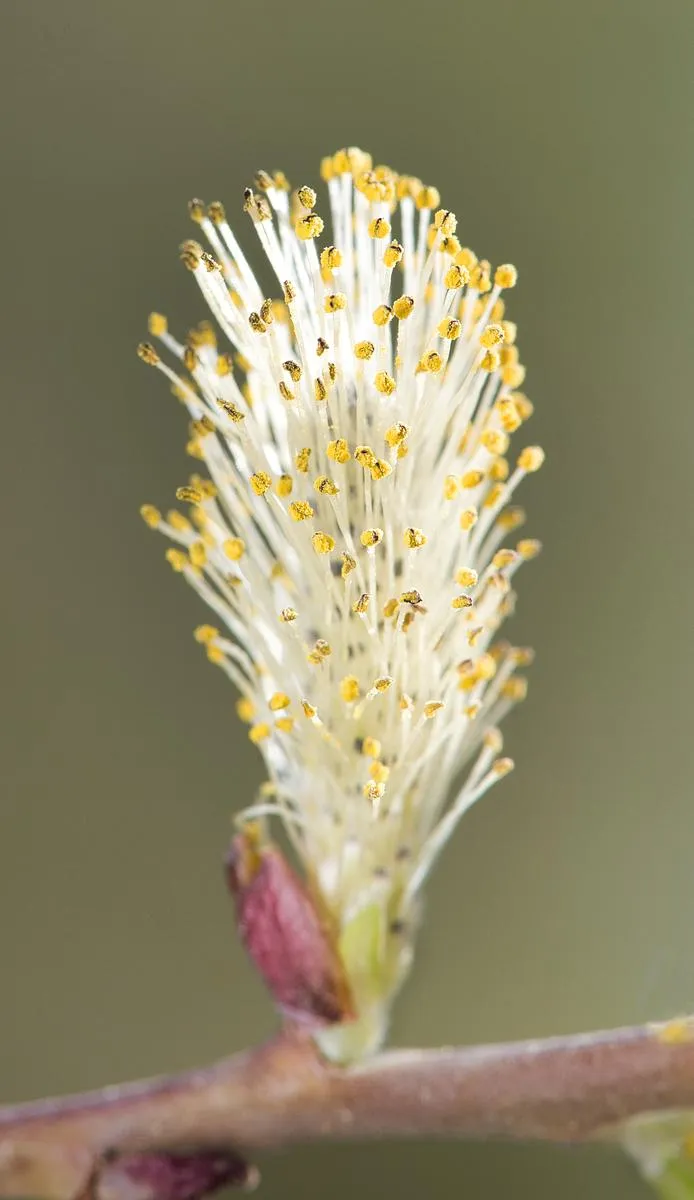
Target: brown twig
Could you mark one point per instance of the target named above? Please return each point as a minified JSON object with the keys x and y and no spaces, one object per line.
{"x":558,"y":1089}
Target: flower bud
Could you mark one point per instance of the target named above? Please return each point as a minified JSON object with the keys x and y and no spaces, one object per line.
{"x":284,"y":933}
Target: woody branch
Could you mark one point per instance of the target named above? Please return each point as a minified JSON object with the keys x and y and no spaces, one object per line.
{"x":559,"y":1089}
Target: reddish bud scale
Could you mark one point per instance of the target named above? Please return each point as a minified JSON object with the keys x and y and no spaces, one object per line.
{"x":173,"y":1176}
{"x":285,"y":935}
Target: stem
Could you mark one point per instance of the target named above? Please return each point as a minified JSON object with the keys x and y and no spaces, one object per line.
{"x":559,"y":1089}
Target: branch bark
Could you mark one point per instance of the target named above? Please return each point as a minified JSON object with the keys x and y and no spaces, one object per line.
{"x":558,"y":1089}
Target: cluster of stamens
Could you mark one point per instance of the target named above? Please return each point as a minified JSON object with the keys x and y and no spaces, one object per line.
{"x":349,"y":523}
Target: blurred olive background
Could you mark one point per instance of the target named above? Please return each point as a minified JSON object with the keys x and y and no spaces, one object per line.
{"x":561,"y":134}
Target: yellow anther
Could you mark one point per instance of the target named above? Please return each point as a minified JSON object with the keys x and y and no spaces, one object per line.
{"x":383,"y":683}
{"x":349,"y":689}
{"x":468,"y":518}
{"x":195,"y":450}
{"x":148,"y":354}
{"x":348,"y":565}
{"x":371,"y":537}
{"x":466,"y":577}
{"x":258,"y":733}
{"x":513,"y":375}
{"x":466,"y":258}
{"x":267,"y":313}
{"x":319,"y":391}
{"x":364,"y":350}
{"x":432,"y":708}
{"x":510,"y":332}
{"x":365,"y":456}
{"x":385,"y":384}
{"x":509,"y":414}
{"x":379,"y":228}
{"x":157,"y":324}
{"x":284,"y":724}
{"x":493,"y":335}
{"x":234,"y":548}
{"x":406,"y":703}
{"x":515,"y":688}
{"x":284,"y":486}
{"x":511,"y":518}
{"x":393,"y":253}
{"x":245,"y":709}
{"x":338,"y":451}
{"x":529,"y":548}
{"x":150,"y":515}
{"x":495,"y":495}
{"x":300,"y":510}
{"x":396,"y":434}
{"x":456,"y":277}
{"x":361,"y":605}
{"x":445,"y":221}
{"x":480,"y":276}
{"x":450,"y":487}
{"x":335,"y":302}
{"x":279,"y":701}
{"x":260,"y":482}
{"x":495,"y":441}
{"x":204,"y":634}
{"x":189,"y":495}
{"x":215,"y":655}
{"x":224,"y":365}
{"x":531,"y":459}
{"x":403,"y":450}
{"x":471,"y":479}
{"x":390,"y":608}
{"x":402,"y":307}
{"x":450,"y":328}
{"x":506,"y":276}
{"x":525,"y":407}
{"x":508,"y":355}
{"x":191,"y":254}
{"x":202,"y":427}
{"x":459,"y":602}
{"x":325,"y":486}
{"x":374,"y":791}
{"x":307,"y":197}
{"x":287,"y":615}
{"x":310,"y":226}
{"x":371,"y":747}
{"x":380,"y":469}
{"x":288,"y":291}
{"x":293,"y":370}
{"x":414,"y":538}
{"x":502,"y":766}
{"x":256,"y":322}
{"x":198,"y":554}
{"x":382,"y":314}
{"x":427,"y":197}
{"x":504,"y":558}
{"x":301,"y":460}
{"x":379,"y":772}
{"x":431,"y":362}
{"x":523,"y":656}
{"x":490,"y":361}
{"x":178,"y":521}
{"x":411,"y":597}
{"x":309,"y":710}
{"x":178,"y":559}
{"x":486,"y":667}
{"x":323,"y":543}
{"x":331,"y":258}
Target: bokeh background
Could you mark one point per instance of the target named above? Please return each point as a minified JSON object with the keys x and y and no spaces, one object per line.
{"x":561,"y":134}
